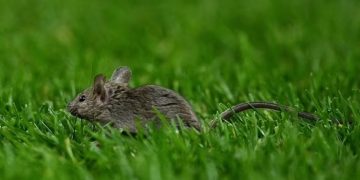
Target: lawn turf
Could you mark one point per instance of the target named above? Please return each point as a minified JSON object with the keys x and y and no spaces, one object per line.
{"x":215,"y":53}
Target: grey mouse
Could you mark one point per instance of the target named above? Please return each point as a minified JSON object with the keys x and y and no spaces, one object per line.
{"x":126,"y":108}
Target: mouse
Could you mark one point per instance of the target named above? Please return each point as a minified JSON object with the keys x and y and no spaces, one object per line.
{"x":114,"y":102}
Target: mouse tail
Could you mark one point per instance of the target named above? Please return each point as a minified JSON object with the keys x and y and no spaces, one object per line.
{"x":227,"y":114}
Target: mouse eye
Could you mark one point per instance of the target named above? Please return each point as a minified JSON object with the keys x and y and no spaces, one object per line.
{"x":82,"y":98}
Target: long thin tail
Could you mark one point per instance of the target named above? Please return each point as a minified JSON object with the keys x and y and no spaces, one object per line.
{"x":226,"y":115}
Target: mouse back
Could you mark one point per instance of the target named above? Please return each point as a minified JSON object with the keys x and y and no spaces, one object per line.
{"x":169,"y":103}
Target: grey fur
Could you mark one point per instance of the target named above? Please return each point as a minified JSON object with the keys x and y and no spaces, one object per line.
{"x":127,"y":108}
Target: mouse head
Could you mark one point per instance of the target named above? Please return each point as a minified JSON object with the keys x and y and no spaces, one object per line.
{"x":93,"y":102}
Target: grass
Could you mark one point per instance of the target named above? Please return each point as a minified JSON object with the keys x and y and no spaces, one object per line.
{"x":216,"y":54}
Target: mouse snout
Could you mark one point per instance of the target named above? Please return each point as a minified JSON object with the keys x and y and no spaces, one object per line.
{"x":71,"y":108}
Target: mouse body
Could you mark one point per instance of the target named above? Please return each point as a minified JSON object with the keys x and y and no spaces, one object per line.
{"x":126,"y":108}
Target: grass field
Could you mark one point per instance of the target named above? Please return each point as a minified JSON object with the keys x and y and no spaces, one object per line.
{"x":304,"y":54}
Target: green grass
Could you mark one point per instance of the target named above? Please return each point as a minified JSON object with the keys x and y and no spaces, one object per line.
{"x":215,"y":53}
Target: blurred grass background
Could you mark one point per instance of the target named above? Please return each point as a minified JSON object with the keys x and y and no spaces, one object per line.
{"x":215,"y":53}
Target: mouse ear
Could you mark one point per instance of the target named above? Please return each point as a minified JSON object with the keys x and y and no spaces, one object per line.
{"x":99,"y":89}
{"x":121,"y":75}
